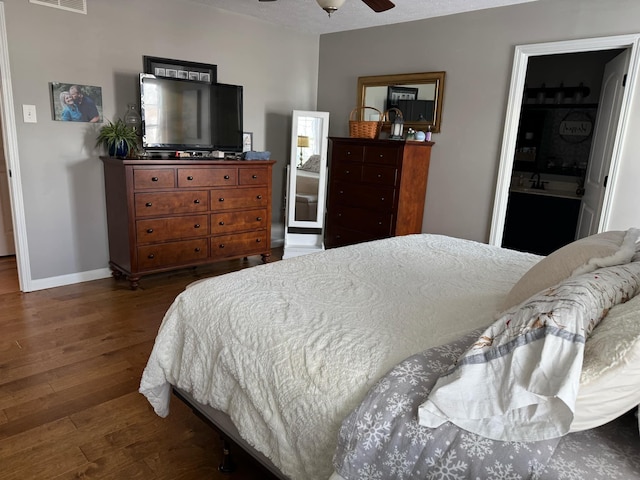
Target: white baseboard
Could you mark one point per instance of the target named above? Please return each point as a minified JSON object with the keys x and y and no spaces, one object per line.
{"x":277,"y":240}
{"x":62,"y":280}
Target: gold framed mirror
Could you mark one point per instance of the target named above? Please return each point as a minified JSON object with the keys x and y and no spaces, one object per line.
{"x":418,"y":96}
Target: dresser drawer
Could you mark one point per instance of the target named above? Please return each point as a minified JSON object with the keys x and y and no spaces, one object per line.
{"x":207,"y":177}
{"x":370,"y":221}
{"x":365,"y":196}
{"x":239,"y":244}
{"x":146,"y":178}
{"x":386,"y":155}
{"x":225,"y":222}
{"x":346,"y":171}
{"x":226,"y":199}
{"x":172,"y":253}
{"x":379,"y":174}
{"x":171,"y":228}
{"x":339,"y":236}
{"x":347,"y":153}
{"x":253,"y":176}
{"x":150,"y":204}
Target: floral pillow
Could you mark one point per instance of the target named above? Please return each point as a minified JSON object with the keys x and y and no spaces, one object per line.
{"x":582,"y":256}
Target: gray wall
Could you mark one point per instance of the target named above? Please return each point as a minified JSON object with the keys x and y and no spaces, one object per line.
{"x":476,"y":50}
{"x":62,"y":178}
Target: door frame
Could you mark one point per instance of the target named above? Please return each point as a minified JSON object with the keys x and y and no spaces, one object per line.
{"x":514,"y":105}
{"x":10,"y":136}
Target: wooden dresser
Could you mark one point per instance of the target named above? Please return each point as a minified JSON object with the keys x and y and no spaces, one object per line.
{"x":376,"y":189}
{"x":168,"y":214}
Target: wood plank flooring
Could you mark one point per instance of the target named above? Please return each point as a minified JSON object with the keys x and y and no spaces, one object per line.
{"x":70,"y":365}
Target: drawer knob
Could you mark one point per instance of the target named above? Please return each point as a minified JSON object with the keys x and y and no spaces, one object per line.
{"x":258,"y":240}
{"x":347,"y":172}
{"x":254,"y":176}
{"x":259,"y":197}
{"x":154,"y":179}
{"x":379,"y":176}
{"x":259,"y":219}
{"x":382,"y":199}
{"x":197,"y":249}
{"x":341,"y":192}
{"x":197,"y":225}
{"x":149,"y":230}
{"x":148,"y":204}
{"x":151,"y":256}
{"x":381,"y":155}
{"x":189,"y":178}
{"x":339,"y":214}
{"x":348,"y":152}
{"x":226,"y":177}
{"x":221,"y":199}
{"x":221,"y":223}
{"x":221,"y":245}
{"x":196,"y":201}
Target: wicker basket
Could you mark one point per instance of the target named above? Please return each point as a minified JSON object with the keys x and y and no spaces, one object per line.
{"x":364,"y":128}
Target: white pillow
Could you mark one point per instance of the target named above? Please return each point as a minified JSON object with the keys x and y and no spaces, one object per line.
{"x":582,"y":256}
{"x":610,"y":379}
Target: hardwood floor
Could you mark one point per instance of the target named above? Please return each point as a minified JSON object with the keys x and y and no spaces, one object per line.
{"x":70,"y":365}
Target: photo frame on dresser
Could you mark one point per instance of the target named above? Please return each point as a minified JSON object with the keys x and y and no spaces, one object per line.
{"x":192,"y":71}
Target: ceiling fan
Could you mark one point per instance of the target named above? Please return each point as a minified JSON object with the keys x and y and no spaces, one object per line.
{"x":330,"y":6}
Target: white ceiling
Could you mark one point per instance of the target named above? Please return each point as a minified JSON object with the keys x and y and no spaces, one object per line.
{"x":306,"y":16}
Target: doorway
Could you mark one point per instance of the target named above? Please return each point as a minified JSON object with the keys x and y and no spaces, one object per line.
{"x":523,"y":55}
{"x":10,"y":160}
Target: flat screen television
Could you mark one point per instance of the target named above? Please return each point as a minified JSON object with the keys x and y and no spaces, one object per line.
{"x":183,"y":115}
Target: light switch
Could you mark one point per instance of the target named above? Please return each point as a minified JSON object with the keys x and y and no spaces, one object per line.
{"x":29,"y":114}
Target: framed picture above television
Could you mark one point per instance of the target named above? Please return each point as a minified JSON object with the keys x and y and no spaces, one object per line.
{"x":167,"y":67}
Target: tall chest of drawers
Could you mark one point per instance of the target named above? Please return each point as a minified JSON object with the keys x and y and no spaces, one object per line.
{"x":377,"y":189}
{"x":169,"y":214}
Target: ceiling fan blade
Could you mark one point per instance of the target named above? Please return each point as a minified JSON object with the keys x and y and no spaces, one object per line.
{"x":379,"y":5}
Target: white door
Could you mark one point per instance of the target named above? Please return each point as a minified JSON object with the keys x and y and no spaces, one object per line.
{"x":6,"y":226}
{"x":604,"y":135}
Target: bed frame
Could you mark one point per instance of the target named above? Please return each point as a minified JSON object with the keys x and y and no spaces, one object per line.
{"x":228,"y":433}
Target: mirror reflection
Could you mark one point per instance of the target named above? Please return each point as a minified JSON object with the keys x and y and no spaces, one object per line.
{"x":417,"y":95}
{"x":307,"y":178}
{"x":308,"y":168}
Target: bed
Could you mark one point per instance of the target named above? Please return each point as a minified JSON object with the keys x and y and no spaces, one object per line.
{"x":289,"y":358}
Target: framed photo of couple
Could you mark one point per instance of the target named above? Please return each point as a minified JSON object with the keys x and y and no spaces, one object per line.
{"x":74,"y":102}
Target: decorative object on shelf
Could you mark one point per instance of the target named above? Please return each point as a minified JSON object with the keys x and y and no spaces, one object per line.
{"x":397,"y":126}
{"x":427,"y":137}
{"x":247,"y":141}
{"x":117,"y":138}
{"x":559,"y":95}
{"x":193,"y":71}
{"x":76,"y":103}
{"x":420,"y":136}
{"x":411,"y":134}
{"x":303,"y":142}
{"x":132,"y":119}
{"x":359,"y":128}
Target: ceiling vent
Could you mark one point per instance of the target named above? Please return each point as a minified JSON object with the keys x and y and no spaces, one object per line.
{"x":78,"y":6}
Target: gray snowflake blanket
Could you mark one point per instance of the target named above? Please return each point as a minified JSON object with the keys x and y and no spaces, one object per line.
{"x":382,"y":440}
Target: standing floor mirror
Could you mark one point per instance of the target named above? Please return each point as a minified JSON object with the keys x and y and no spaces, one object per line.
{"x":306,"y":183}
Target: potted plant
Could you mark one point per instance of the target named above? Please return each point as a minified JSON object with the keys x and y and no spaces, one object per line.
{"x":117,"y":138}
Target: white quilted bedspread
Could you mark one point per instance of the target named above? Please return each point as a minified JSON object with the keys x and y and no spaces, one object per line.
{"x":288,"y":349}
